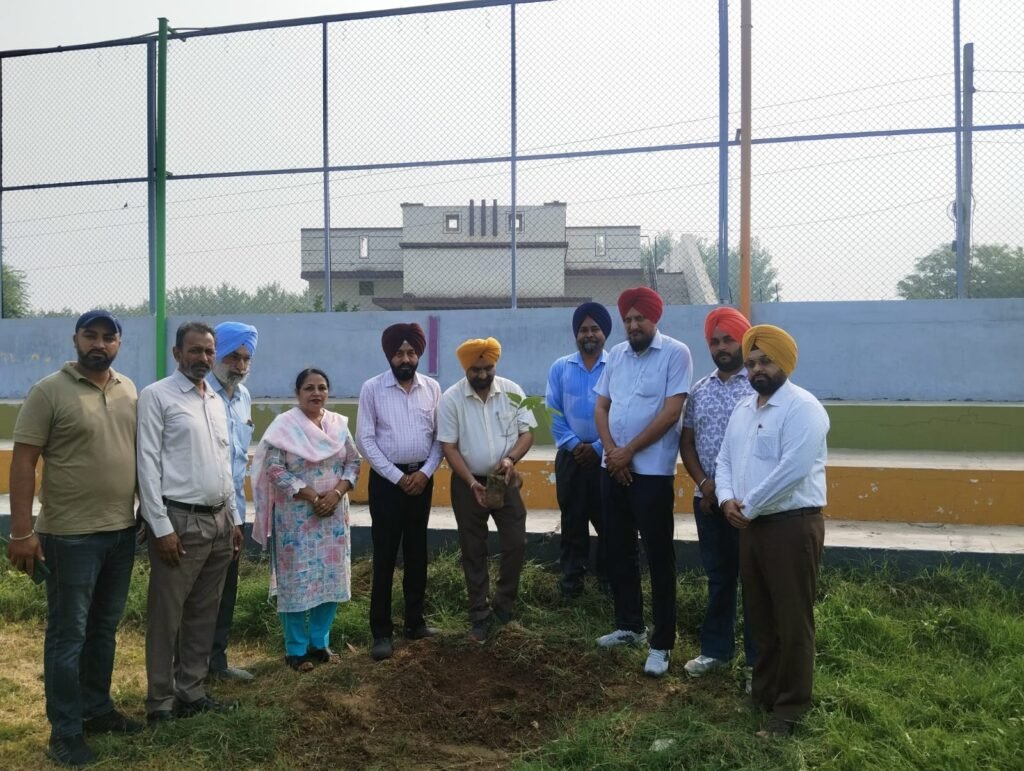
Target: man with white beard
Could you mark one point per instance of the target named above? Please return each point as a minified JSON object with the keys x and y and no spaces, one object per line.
{"x":236,"y":345}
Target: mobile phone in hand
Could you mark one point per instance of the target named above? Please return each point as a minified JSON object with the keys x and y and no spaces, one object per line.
{"x":39,"y":571}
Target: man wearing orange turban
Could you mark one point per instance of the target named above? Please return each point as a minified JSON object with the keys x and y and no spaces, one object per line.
{"x":708,"y":408}
{"x":770,"y":479}
{"x":483,"y":431}
{"x":640,"y":398}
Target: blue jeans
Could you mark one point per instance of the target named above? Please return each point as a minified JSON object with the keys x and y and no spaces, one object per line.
{"x":85,"y":597}
{"x":720,"y":556}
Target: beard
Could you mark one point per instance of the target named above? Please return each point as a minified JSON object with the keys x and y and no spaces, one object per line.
{"x":228,"y":376}
{"x":589,"y":347}
{"x":729,"y":362}
{"x":404,"y":372}
{"x":482,"y":383}
{"x":95,"y":361}
{"x":766,"y":385}
{"x":640,"y":344}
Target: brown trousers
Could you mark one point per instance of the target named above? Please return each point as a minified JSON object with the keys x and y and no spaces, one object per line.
{"x":183,"y":603}
{"x":471,"y":519}
{"x":779,"y":562}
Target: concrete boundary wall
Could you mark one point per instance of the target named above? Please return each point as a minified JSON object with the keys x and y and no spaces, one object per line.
{"x":921,"y":350}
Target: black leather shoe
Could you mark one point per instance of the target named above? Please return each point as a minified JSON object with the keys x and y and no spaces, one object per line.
{"x":321,"y":655}
{"x":202,"y":704}
{"x":71,"y":751}
{"x":382,"y":649}
{"x":422,"y":632}
{"x":160,"y":716}
{"x":503,"y":616}
{"x":113,"y":722}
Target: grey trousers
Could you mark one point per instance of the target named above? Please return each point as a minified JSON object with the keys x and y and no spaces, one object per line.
{"x":183,"y":603}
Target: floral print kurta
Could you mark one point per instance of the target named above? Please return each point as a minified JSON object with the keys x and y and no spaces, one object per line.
{"x":311,"y":556}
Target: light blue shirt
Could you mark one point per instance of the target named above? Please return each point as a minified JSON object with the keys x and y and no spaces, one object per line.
{"x":571,"y":391}
{"x":637,"y":386}
{"x":240,"y":428}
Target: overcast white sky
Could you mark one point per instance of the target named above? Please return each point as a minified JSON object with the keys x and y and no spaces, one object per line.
{"x":845,"y":220}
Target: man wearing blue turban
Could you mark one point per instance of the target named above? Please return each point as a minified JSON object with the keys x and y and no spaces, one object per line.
{"x":236,"y":345}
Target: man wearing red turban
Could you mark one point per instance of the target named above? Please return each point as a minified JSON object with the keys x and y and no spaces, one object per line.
{"x":640,"y":398}
{"x":708,"y":408}
{"x":397,"y":435}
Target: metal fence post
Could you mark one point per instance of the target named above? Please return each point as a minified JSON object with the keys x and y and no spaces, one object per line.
{"x":151,"y":169}
{"x":514,"y":221}
{"x":958,"y":205}
{"x":723,"y":151}
{"x":160,"y":204}
{"x":328,"y":295}
{"x":963,"y":253}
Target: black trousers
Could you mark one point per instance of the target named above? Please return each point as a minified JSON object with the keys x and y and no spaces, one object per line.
{"x":579,"y":497}
{"x":225,"y":615}
{"x":644,"y":506}
{"x":397,"y":520}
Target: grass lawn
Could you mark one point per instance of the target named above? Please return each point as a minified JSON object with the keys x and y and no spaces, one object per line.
{"x":919,"y":673}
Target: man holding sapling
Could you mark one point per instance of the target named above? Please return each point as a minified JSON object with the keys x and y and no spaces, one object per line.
{"x":483,"y":425}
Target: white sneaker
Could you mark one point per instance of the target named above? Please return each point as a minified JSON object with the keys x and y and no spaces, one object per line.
{"x":622,"y":637}
{"x":702,"y":665}
{"x":657,"y":663}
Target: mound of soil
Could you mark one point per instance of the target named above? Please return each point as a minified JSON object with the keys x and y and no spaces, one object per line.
{"x":448,"y":702}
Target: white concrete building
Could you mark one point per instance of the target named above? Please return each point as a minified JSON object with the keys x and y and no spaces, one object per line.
{"x":461,"y":257}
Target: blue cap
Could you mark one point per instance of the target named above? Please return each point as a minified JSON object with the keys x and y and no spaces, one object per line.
{"x":97,"y":314}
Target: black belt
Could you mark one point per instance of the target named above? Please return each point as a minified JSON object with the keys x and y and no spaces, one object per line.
{"x":409,"y":468}
{"x":808,"y":511}
{"x":195,"y":508}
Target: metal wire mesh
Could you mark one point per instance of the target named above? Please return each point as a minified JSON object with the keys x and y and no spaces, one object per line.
{"x":613,"y":159}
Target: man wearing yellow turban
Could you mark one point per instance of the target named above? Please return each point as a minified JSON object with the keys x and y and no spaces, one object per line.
{"x":482,"y":431}
{"x":770,"y":479}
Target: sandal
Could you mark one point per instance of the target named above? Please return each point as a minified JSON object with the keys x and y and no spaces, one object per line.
{"x":322,"y":655}
{"x":299,"y":663}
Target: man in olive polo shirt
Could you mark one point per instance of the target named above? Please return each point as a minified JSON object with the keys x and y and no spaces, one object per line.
{"x":81,"y":420}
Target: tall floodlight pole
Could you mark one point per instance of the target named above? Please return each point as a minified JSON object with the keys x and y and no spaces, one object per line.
{"x":723,"y":152}
{"x":744,"y":288}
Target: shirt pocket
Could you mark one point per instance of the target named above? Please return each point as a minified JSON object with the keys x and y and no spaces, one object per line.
{"x":425,"y":419}
{"x":766,"y":445}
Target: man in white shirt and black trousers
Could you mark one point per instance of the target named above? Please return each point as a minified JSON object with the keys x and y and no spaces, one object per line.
{"x":187,"y":495}
{"x":771,"y":483}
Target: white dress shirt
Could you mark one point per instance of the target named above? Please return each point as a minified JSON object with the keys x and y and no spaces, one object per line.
{"x":773,"y":457}
{"x":183,"y":450}
{"x":394,"y":426}
{"x":483,"y":431}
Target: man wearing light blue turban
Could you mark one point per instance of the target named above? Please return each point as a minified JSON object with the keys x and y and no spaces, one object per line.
{"x":236,"y":345}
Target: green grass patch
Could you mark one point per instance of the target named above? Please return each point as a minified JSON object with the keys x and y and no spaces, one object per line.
{"x":912,"y":673}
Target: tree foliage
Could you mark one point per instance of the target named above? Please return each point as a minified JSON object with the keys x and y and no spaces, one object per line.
{"x":15,"y":289}
{"x":764,"y":277}
{"x":996,"y":270}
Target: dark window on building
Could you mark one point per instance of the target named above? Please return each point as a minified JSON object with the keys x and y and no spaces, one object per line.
{"x":599,"y":249}
{"x":364,"y":247}
{"x":366,"y":289}
{"x":452,"y":223}
{"x":520,"y":222}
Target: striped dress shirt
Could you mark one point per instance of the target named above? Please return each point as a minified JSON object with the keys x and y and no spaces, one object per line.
{"x":398,"y":427}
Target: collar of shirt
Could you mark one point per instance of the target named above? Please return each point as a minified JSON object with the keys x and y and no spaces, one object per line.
{"x":184,"y":383}
{"x":655,"y":344}
{"x":577,"y":359}
{"x":777,"y":399}
{"x":714,"y":376}
{"x":470,"y":393}
{"x":390,"y":381}
{"x":70,"y":369}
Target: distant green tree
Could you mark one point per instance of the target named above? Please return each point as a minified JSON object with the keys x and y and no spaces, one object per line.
{"x":996,"y":270}
{"x":15,"y":289}
{"x":764,"y":278}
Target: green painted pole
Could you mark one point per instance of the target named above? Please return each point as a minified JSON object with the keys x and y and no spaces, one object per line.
{"x":160,"y":263}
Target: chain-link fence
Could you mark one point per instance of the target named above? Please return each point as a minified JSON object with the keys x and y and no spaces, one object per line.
{"x":385,"y":151}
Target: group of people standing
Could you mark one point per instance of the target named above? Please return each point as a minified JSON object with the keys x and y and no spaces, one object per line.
{"x":753,"y":442}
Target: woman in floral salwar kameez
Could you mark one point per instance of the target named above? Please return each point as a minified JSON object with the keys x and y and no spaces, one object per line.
{"x":303,"y":469}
